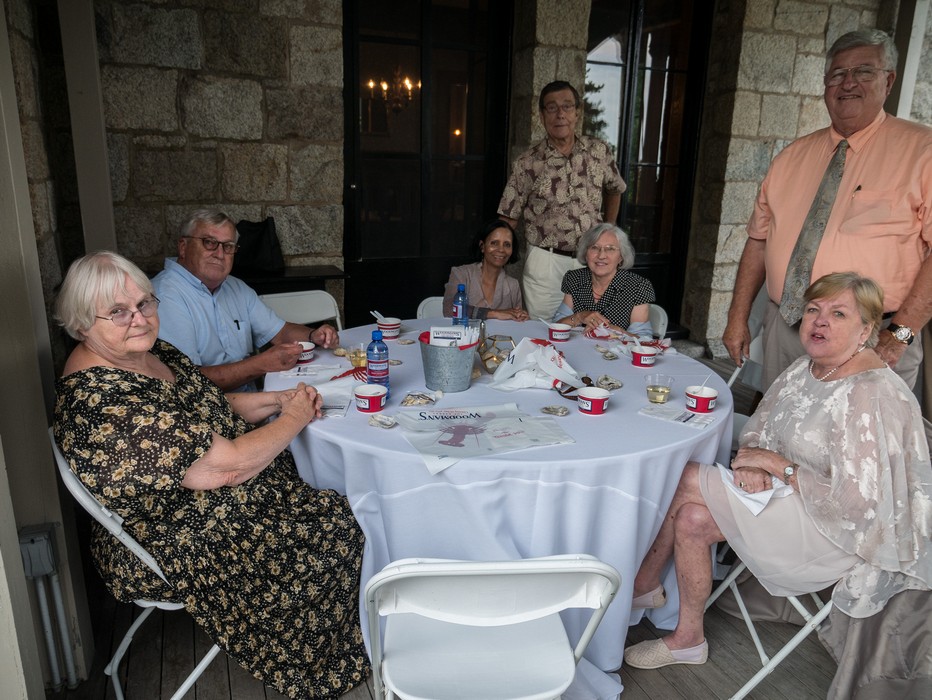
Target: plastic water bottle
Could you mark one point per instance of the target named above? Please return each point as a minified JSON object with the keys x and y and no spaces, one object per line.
{"x":377,"y":362}
{"x":460,"y":301}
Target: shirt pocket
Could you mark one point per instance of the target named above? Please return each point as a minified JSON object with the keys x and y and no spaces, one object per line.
{"x":878,"y":214}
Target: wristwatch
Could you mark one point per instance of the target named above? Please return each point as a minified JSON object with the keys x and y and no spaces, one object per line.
{"x":902,"y":334}
{"x":788,"y":472}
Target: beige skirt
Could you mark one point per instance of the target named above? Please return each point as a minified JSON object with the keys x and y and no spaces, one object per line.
{"x":781,"y":546}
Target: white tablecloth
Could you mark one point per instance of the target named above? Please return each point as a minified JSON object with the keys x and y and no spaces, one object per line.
{"x":605,"y":495}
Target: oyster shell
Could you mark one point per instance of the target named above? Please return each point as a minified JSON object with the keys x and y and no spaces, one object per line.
{"x":555,"y":410}
{"x":380,"y":420}
{"x":608,"y":382}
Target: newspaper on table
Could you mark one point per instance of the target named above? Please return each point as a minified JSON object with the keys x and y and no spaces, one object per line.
{"x":444,"y":436}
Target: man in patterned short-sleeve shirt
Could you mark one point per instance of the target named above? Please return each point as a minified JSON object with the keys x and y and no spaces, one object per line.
{"x":560,"y":188}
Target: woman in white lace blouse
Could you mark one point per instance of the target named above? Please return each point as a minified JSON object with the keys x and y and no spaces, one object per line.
{"x":846,"y":434}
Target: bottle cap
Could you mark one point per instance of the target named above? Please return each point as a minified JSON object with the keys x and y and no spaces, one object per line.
{"x":461,"y":287}
{"x":377,"y":335}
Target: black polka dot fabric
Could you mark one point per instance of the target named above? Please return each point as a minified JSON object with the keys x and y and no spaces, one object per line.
{"x":625,"y":291}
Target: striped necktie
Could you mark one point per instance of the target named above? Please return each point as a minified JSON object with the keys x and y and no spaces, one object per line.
{"x":799,"y":269}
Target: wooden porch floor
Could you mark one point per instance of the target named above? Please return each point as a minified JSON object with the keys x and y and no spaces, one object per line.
{"x":168,"y":646}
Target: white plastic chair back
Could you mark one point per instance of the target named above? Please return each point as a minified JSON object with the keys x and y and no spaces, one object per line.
{"x":114,"y":525}
{"x":309,"y":306}
{"x":455,"y":622}
{"x":658,"y":319}
{"x":431,"y":307}
{"x":111,"y":521}
{"x":755,"y":354}
{"x":769,"y":663}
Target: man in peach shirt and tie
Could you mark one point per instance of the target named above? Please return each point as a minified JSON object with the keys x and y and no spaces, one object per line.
{"x":880,"y":224}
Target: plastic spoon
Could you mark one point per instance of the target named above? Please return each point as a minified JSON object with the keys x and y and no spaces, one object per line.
{"x":546,"y":323}
{"x":377,"y":316}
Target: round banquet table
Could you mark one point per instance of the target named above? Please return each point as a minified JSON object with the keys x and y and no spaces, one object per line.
{"x":605,"y":494}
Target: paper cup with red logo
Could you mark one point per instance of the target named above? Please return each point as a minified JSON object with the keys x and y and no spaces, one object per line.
{"x":370,"y":398}
{"x":644,"y":356}
{"x":307,"y":352}
{"x":700,"y":399}
{"x":592,"y":400}
{"x":390,"y":327}
{"x":559,"y":332}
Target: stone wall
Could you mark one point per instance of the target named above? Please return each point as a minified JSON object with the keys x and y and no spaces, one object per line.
{"x":36,"y":112}
{"x":763,"y":92}
{"x":237,"y":105}
{"x":550,"y":44}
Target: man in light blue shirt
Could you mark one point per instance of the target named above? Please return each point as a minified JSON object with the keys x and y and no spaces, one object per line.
{"x":218,"y":320}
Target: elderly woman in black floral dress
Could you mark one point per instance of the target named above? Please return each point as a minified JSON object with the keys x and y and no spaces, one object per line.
{"x":267,"y":565}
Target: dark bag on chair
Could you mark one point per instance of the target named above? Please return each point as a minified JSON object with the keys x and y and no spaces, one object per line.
{"x":259,"y":249}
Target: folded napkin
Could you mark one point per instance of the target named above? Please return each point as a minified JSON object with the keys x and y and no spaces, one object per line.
{"x":754,"y":502}
{"x":339,"y":391}
{"x":535,"y":364}
{"x":312,"y":370}
{"x":678,"y":415}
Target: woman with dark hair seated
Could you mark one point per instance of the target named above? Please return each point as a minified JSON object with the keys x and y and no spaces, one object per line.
{"x":492,"y":293}
{"x":267,"y":565}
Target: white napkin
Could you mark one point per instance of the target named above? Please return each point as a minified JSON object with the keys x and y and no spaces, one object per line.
{"x":754,"y":502}
{"x":311,"y":370}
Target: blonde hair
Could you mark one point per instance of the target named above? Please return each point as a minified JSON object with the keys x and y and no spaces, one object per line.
{"x":94,"y":280}
{"x":868,"y":296}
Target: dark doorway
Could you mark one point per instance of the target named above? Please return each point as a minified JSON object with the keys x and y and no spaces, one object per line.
{"x":426,"y":153}
{"x":645,"y":76}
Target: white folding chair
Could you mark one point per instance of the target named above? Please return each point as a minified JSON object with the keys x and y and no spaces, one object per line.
{"x":472,"y":629}
{"x":768,"y":663}
{"x":309,"y":306}
{"x":431,"y":307}
{"x":755,"y":354}
{"x":114,"y":525}
{"x":658,"y":319}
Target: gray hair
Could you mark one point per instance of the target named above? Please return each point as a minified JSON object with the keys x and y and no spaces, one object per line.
{"x":592,"y":235}
{"x":92,"y":281}
{"x":864,"y":37}
{"x":206,"y":217}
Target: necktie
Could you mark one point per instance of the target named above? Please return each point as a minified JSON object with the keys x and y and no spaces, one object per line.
{"x":799,"y":269}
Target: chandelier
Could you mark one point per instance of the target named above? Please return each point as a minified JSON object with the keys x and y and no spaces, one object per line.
{"x":398,"y":93}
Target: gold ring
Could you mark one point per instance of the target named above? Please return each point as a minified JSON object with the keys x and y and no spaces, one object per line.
{"x":741,"y":484}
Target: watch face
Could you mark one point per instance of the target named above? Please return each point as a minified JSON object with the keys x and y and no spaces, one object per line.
{"x":902,"y":334}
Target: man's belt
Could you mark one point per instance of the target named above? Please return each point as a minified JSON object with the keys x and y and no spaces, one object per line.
{"x":555,"y":251}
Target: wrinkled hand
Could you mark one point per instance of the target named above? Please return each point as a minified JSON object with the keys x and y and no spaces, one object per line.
{"x":755,"y":466}
{"x":889,"y":348}
{"x":592,"y":319}
{"x":303,"y":403}
{"x":325,"y":336}
{"x":737,"y":340}
{"x":279,"y":358}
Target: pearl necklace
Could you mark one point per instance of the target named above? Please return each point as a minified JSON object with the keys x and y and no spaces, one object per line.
{"x":834,"y":369}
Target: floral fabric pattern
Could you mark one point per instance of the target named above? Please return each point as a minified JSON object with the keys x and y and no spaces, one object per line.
{"x":269,"y":568}
{"x":864,"y":475}
{"x":560,"y":197}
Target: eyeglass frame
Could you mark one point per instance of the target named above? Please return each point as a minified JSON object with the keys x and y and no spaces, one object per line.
{"x":132,"y":312}
{"x":211,"y":244}
{"x":842,"y":74}
{"x":607,"y":249}
{"x":553,"y":108}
